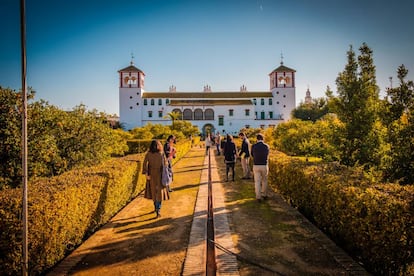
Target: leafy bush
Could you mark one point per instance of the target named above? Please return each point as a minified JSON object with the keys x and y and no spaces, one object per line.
{"x":298,"y":137}
{"x":57,"y":140}
{"x":373,"y":222}
{"x":65,"y":209}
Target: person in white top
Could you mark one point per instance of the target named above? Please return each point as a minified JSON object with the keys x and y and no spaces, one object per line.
{"x":208,"y":143}
{"x":218,"y":142}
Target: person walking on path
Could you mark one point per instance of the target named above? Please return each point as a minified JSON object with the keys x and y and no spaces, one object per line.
{"x":230,"y":154}
{"x":245,"y":156}
{"x":152,"y":167}
{"x":169,"y":151}
{"x":218,"y":143}
{"x":260,"y":154}
{"x":208,"y":143}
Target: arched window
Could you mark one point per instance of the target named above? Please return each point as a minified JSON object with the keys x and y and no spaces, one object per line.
{"x":198,"y":114}
{"x":187,"y":114}
{"x":145,"y":101}
{"x":159,"y":101}
{"x":209,"y":114}
{"x":152,"y":102}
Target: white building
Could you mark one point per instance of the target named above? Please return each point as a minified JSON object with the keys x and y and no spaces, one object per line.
{"x":226,"y":112}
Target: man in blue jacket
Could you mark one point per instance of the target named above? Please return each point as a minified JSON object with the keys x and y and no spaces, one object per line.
{"x":260,"y":154}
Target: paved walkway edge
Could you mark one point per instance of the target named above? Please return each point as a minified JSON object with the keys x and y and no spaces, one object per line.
{"x":195,"y":261}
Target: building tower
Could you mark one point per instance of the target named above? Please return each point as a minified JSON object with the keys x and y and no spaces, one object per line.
{"x":282,"y":85}
{"x":308,"y":97}
{"x":131,"y":88}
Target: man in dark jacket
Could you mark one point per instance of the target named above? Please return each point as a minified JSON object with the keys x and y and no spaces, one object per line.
{"x":260,"y":153}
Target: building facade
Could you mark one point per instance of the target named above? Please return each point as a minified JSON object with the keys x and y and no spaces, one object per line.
{"x":224,"y":112}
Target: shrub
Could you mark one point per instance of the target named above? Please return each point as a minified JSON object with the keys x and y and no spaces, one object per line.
{"x":65,"y":209}
{"x":372,"y":221}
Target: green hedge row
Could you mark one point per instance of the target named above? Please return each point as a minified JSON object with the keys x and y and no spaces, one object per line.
{"x":374,"y":222}
{"x":65,"y":209}
{"x":140,"y":145}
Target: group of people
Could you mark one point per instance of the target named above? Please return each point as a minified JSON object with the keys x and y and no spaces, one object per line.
{"x":260,"y":153}
{"x":212,"y":140}
{"x":160,"y":157}
{"x":156,"y":159}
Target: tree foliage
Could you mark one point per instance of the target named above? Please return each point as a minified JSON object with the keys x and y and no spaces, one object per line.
{"x":361,"y":130}
{"x":357,"y":106}
{"x":57,"y":140}
{"x":399,"y":100}
{"x":180,"y":129}
{"x":311,"y":111}
{"x":298,"y":137}
{"x":400,"y":120}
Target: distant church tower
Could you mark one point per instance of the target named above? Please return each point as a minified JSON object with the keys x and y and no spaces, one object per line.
{"x":131,"y":88}
{"x":282,"y":85}
{"x":308,"y":98}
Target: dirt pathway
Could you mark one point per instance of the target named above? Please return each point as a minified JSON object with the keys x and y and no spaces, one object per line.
{"x":271,"y":234}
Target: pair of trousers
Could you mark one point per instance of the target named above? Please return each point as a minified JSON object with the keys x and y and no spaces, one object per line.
{"x":157,"y":206}
{"x":245,"y":166}
{"x":260,"y":173}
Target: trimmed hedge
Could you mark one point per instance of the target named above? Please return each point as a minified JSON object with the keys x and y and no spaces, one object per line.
{"x":138,"y":145}
{"x":66,"y":209}
{"x":141,"y":146}
{"x":63,"y":210}
{"x":373,"y":222}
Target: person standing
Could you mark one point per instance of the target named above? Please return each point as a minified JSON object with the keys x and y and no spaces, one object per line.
{"x":208,"y":143}
{"x":152,"y":167}
{"x":169,"y":151}
{"x":260,"y":154}
{"x":218,"y":142}
{"x":230,"y":154}
{"x":245,"y":156}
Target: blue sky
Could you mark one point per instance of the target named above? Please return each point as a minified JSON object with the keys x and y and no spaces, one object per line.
{"x":75,"y":48}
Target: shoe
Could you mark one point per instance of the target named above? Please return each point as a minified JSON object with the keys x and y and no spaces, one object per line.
{"x":227,"y":180}
{"x":265,"y":198}
{"x":233,"y":180}
{"x":259,"y":200}
{"x":169,"y":190}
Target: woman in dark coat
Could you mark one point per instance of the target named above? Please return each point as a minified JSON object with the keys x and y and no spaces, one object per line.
{"x":230,"y":153}
{"x":152,"y":167}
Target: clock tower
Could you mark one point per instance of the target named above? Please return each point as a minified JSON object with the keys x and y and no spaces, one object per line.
{"x":131,"y":88}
